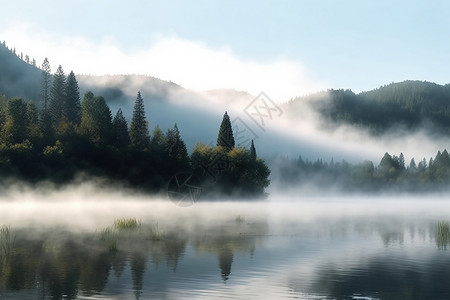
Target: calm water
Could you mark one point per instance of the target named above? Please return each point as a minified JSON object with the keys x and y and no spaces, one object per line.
{"x":279,"y":249}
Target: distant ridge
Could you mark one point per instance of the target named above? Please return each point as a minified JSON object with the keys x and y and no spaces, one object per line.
{"x":21,"y":79}
{"x":409,"y":105}
{"x":18,"y":78}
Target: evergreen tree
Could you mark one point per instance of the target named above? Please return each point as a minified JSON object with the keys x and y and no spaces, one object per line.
{"x":176,"y":148}
{"x":225,"y":137}
{"x":73,"y":106}
{"x":252,"y":152}
{"x":33,"y":120}
{"x":96,"y":119}
{"x":139,"y":135}
{"x":412,"y":164}
{"x":58,"y":96}
{"x":401,"y":161}
{"x":120,"y":130}
{"x":423,"y":164}
{"x":15,"y":129}
{"x":158,"y":142}
{"x":158,"y":146}
{"x":45,"y":86}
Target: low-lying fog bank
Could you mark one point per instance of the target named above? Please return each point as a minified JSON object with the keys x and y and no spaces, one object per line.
{"x":87,"y":207}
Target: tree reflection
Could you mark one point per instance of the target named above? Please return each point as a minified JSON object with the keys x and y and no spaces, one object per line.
{"x":58,"y":270}
{"x":227,"y":239}
{"x":138,"y":265}
{"x":225,"y":261}
{"x":173,"y":247}
{"x":58,"y":264}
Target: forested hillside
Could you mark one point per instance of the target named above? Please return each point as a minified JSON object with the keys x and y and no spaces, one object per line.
{"x":59,"y":136}
{"x":18,"y":77}
{"x":409,"y":105}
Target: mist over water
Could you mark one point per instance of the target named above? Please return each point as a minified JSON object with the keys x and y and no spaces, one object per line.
{"x":288,"y":246}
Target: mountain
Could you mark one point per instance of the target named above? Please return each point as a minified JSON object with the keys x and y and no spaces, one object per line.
{"x":291,"y":129}
{"x":166,"y":103}
{"x":409,"y":105}
{"x":18,"y":78}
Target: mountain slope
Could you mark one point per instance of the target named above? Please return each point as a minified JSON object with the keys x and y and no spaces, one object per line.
{"x":18,"y":78}
{"x":410,"y":105}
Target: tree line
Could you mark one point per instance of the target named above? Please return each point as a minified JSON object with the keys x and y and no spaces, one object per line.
{"x":66,"y":136}
{"x":26,"y":58}
{"x":392,"y":174}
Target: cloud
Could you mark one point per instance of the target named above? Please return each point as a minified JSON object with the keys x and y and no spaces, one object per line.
{"x":191,"y":64}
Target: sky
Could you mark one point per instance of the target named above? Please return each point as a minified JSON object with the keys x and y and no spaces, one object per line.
{"x":284,"y":48}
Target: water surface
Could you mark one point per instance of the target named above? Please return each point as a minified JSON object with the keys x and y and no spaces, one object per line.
{"x":57,"y":247}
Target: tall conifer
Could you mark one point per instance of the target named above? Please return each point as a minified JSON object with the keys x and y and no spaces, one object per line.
{"x":72,"y":111}
{"x":176,"y":148}
{"x":139,"y":135}
{"x":225,"y":137}
{"x":120,"y":127}
{"x":57,"y":96}
{"x":252,"y":152}
{"x":46,"y":82}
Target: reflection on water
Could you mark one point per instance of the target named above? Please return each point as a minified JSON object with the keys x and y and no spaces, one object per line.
{"x":306,"y":250}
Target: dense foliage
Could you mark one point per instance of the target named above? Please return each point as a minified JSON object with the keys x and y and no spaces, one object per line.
{"x":230,"y":172}
{"x":409,"y":105}
{"x":66,"y":137}
{"x":391,"y":174}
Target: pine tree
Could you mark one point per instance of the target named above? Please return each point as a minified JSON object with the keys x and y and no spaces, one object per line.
{"x":176,"y":148}
{"x":73,"y":107}
{"x":401,"y":161}
{"x":45,"y":86}
{"x":225,"y":137}
{"x":58,"y":96}
{"x":139,"y":135}
{"x":120,"y":130}
{"x":45,"y":119}
{"x":96,"y":119}
{"x":15,"y":129}
{"x":252,"y":152}
{"x":412,"y":164}
{"x":158,"y":142}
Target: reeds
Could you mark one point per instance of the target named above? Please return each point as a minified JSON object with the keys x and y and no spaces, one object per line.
{"x":155,"y":233}
{"x":443,"y":235}
{"x":127,"y":231}
{"x":127,"y":224}
{"x":6,"y":241}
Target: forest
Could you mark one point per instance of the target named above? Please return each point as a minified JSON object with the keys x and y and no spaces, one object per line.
{"x":392,"y":174}
{"x":66,"y":137}
{"x":408,"y":105}
{"x":60,"y":136}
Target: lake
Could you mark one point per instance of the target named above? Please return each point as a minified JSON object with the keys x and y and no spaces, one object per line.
{"x":114,"y":246}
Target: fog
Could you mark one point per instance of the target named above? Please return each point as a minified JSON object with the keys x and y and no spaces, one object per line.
{"x":288,"y":130}
{"x":89,"y":205}
{"x":286,"y":246}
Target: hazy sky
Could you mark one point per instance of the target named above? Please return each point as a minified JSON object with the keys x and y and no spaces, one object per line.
{"x":285,"y":48}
